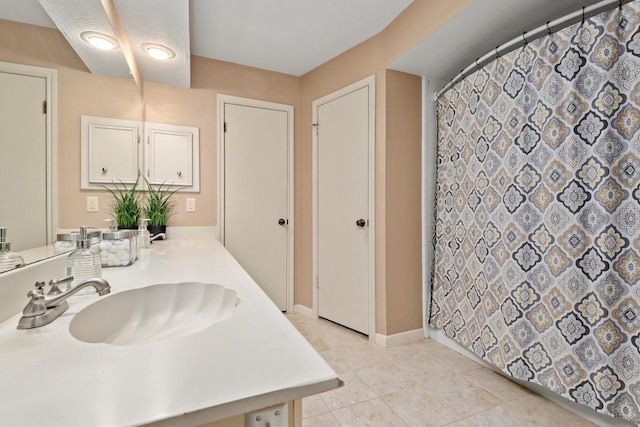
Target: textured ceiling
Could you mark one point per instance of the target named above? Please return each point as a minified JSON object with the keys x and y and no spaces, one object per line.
{"x":159,"y":21}
{"x":64,"y":13}
{"x":288,"y":36}
{"x":476,"y":31}
{"x":295,"y":36}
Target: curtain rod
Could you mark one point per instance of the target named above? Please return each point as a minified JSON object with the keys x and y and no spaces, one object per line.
{"x":528,"y":36}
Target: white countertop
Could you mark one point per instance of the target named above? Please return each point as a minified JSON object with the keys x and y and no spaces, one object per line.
{"x":252,"y":360}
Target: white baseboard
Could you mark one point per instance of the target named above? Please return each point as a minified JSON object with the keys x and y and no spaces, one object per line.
{"x":400,"y":338}
{"x":301,"y":309}
{"x":383,"y":340}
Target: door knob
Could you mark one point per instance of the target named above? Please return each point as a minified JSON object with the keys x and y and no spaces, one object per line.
{"x":361,"y":222}
{"x":282,"y":221}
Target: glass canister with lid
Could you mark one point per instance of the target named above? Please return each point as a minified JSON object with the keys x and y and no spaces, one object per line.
{"x":118,"y":248}
{"x":66,"y":242}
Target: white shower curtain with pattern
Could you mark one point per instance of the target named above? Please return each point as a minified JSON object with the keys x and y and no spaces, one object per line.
{"x":537,"y":244}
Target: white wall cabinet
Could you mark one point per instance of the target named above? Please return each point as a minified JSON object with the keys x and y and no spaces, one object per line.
{"x":111,"y":150}
{"x":115,"y":150}
{"x":171,"y":153}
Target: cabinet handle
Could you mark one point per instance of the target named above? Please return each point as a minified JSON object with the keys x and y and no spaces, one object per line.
{"x":180,"y":174}
{"x":104,"y":170}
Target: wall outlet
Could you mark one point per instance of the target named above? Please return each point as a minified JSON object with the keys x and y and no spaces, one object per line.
{"x":275,"y":416}
{"x":92,"y":204}
{"x":191,"y":204}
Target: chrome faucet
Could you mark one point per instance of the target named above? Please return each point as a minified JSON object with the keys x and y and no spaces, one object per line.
{"x":157,"y":236}
{"x":43,"y":309}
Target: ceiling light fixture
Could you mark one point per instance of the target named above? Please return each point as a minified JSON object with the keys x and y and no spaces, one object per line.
{"x":99,"y":40}
{"x":158,"y":51}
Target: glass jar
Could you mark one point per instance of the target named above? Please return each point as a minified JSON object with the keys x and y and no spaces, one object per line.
{"x":118,"y":248}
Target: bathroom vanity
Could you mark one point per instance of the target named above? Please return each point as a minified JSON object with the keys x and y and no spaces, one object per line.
{"x":250,"y":360}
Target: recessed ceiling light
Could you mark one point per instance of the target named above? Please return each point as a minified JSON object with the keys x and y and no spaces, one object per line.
{"x":99,"y":40}
{"x":158,"y":51}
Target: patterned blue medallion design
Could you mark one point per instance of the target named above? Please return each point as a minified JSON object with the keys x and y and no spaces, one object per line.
{"x":537,"y":240}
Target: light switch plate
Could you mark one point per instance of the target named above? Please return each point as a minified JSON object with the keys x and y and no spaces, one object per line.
{"x":92,"y":204}
{"x":191,"y":204}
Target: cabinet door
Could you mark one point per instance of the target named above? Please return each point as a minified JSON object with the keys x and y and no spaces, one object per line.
{"x":111,"y":150}
{"x":172,"y":154}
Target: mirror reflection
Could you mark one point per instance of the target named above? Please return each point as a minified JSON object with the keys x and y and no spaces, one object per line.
{"x":46,"y":88}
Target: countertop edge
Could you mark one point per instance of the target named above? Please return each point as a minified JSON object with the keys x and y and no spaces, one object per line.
{"x":239,"y":407}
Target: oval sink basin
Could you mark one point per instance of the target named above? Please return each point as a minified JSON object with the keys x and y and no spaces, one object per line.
{"x":154,"y":313}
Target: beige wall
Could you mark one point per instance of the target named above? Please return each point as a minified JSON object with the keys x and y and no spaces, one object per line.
{"x":33,"y":45}
{"x":199,"y":105}
{"x":196,"y":107}
{"x":396,"y":250}
{"x":403,"y":202}
{"x":398,"y":265}
{"x":83,"y":93}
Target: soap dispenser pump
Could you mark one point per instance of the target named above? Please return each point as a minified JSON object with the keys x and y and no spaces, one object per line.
{"x":83,"y":264}
{"x":8,"y":260}
{"x":143,"y":234}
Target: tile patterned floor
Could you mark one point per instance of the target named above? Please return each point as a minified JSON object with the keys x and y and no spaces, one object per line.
{"x":419,"y":384}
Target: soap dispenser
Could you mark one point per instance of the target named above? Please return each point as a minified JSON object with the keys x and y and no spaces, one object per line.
{"x":8,"y":260}
{"x":143,"y":234}
{"x":83,"y":263}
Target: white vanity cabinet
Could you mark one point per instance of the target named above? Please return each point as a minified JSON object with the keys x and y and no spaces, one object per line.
{"x":116,"y":150}
{"x":206,"y":377}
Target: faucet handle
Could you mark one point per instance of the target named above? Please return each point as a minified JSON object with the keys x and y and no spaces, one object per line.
{"x":54,"y":283}
{"x":36,"y":305}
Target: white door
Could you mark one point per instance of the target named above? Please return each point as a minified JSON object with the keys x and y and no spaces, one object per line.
{"x":343,"y":137}
{"x":256,"y":194}
{"x":23,"y":153}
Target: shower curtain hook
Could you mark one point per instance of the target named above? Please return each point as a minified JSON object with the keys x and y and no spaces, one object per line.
{"x":620,"y":4}
{"x":548,"y":29}
{"x":497,"y":54}
{"x":477,"y":66}
{"x":524,"y":39}
{"x":583,"y":13}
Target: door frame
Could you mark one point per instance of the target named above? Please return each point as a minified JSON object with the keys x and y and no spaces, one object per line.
{"x":222,"y":100}
{"x":51,"y":134}
{"x":370,"y":83}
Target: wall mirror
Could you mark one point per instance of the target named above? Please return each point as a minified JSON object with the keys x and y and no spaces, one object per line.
{"x":45,"y":91}
{"x":27,"y":132}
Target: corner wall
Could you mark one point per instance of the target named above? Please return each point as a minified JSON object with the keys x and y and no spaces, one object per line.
{"x":403,"y":202}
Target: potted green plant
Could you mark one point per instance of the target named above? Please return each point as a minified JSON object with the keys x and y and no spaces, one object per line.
{"x":159,"y":207}
{"x":125,"y":204}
